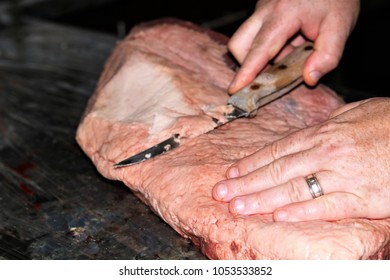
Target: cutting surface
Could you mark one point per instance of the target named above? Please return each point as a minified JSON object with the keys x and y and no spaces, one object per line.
{"x":54,"y":205}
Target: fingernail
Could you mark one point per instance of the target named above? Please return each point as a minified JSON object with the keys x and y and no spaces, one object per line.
{"x":281,"y":216}
{"x":238,"y":206}
{"x":221,"y":191}
{"x":315,"y":76}
{"x":233,"y":172}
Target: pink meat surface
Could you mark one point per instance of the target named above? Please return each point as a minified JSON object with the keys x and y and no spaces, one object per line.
{"x":165,"y":78}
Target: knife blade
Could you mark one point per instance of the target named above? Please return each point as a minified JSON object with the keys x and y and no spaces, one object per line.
{"x":269,"y":85}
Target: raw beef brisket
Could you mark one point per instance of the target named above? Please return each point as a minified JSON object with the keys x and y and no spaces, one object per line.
{"x":165,"y":78}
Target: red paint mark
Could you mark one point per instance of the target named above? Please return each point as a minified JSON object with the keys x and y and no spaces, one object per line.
{"x":37,"y":206}
{"x":26,"y":190}
{"x":22,"y":169}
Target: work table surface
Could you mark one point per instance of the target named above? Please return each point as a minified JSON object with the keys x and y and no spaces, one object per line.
{"x":54,"y":204}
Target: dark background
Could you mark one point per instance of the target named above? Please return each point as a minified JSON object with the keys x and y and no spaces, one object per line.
{"x":54,"y":204}
{"x":361,"y":70}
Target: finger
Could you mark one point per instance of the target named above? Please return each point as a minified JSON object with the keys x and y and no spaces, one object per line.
{"x":328,"y":50}
{"x":290,"y":144}
{"x":333,"y":206}
{"x":241,"y":41}
{"x":270,"y":39}
{"x":268,"y":200}
{"x":276,"y":173}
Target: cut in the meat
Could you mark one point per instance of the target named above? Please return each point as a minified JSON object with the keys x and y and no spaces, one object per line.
{"x":162,"y":80}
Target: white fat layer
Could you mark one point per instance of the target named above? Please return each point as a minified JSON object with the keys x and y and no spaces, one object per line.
{"x":144,"y":92}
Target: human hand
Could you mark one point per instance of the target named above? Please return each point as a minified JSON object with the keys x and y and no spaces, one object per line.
{"x":263,"y":35}
{"x":349,"y":154}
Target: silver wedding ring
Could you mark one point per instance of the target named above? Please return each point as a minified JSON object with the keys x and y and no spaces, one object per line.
{"x":314,"y":186}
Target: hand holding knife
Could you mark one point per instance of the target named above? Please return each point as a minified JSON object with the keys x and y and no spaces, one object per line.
{"x":268,"y":86}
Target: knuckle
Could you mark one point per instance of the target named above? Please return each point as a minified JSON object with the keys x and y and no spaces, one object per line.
{"x":244,"y":185}
{"x":261,"y":204}
{"x":334,"y":207}
{"x":233,"y":46}
{"x":334,"y":140}
{"x":296,"y":192}
{"x":275,"y":150}
{"x":280,"y":6}
{"x":239,"y":188}
{"x":339,"y":206}
{"x":276,"y":172}
{"x":326,"y":128}
{"x":331,"y":60}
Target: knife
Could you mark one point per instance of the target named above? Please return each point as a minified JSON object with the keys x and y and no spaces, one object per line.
{"x":269,"y":85}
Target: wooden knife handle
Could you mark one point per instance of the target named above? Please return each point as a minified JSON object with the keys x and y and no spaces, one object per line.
{"x":274,"y":82}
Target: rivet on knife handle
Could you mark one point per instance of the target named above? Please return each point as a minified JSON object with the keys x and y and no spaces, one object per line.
{"x":274,"y":82}
{"x":159,"y":149}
